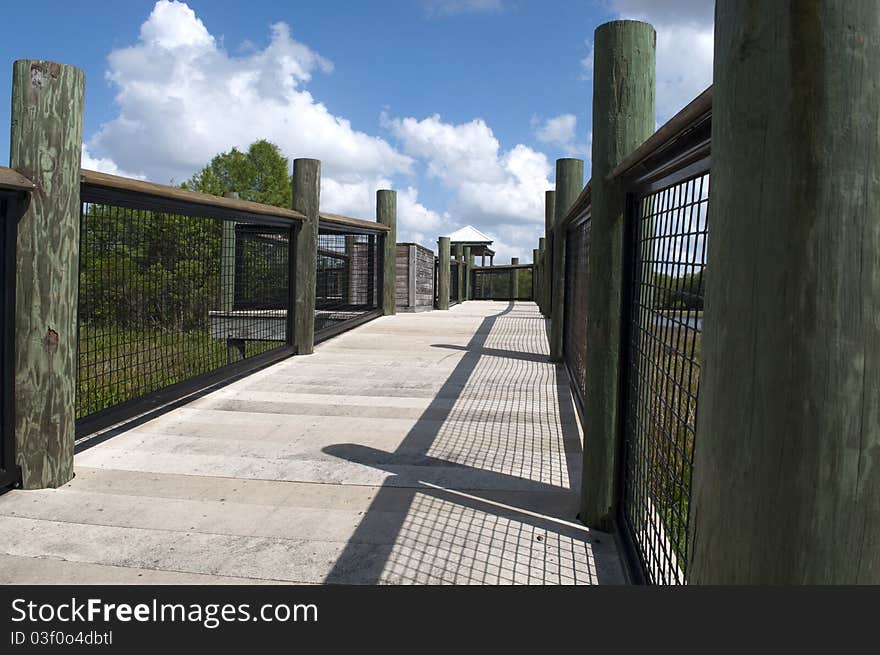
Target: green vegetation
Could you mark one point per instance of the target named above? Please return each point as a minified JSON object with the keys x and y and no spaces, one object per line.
{"x":149,"y":278}
{"x":260,"y":175}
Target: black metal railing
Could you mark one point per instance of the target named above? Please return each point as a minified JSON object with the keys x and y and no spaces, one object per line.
{"x":11,"y":204}
{"x":454,"y":282}
{"x":348,"y":280}
{"x":173,"y":296}
{"x":666,"y":252}
{"x":502,"y":282}
{"x":574,"y":339}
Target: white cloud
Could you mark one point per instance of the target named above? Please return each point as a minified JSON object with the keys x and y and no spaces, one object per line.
{"x":454,"y":7}
{"x":490,"y":186}
{"x":561,"y":132}
{"x":183,"y":99}
{"x":103,"y":165}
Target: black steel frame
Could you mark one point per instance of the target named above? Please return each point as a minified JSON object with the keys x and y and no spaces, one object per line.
{"x":454,"y":281}
{"x":375,"y":278}
{"x":683,"y":160}
{"x":12,"y":205}
{"x":102,"y":419}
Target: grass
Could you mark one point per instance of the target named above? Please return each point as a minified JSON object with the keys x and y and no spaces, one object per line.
{"x":117,"y":365}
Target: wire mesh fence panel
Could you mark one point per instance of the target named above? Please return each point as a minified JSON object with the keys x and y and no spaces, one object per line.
{"x":169,"y":294}
{"x":665,"y":321}
{"x":574,"y":343}
{"x":348,"y":284}
{"x":499,"y":283}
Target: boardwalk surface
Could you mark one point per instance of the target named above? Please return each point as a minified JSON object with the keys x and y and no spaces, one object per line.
{"x":422,"y":448}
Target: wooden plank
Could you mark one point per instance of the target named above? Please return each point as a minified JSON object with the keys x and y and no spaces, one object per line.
{"x":11,"y":179}
{"x":354,"y":222}
{"x":107,"y":181}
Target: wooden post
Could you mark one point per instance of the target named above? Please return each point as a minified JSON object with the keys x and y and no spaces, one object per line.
{"x":235,"y":348}
{"x":386,"y":214}
{"x":786,"y":482}
{"x":459,"y":257}
{"x":443,"y":273}
{"x":514,"y":281}
{"x":349,"y":274}
{"x":46,"y":145}
{"x":536,"y":255}
{"x":306,"y":199}
{"x":547,"y":273}
{"x":623,"y":117}
{"x":569,"y":184}
{"x":540,"y":290}
{"x":467,"y":272}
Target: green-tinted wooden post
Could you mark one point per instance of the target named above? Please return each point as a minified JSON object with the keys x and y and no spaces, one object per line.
{"x":386,"y":214}
{"x":468,"y":262}
{"x":514,"y":278}
{"x":542,"y":272}
{"x":235,"y":348}
{"x":459,"y":257}
{"x":536,"y":255}
{"x":46,"y":146}
{"x":569,"y":184}
{"x":547,"y":276}
{"x":443,"y":273}
{"x":786,"y":477}
{"x":306,"y":199}
{"x":623,"y":117}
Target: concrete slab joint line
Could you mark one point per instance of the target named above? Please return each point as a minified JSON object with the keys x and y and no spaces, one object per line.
{"x":436,"y":447}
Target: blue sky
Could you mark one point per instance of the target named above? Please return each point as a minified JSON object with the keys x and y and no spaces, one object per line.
{"x":462,"y":105}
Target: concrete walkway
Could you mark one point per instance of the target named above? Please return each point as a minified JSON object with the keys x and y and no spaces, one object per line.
{"x":423,"y":448}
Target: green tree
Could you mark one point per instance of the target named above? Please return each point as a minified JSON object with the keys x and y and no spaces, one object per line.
{"x":260,"y":174}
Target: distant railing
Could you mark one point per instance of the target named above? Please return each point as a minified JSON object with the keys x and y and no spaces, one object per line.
{"x":502,"y":282}
{"x":176,"y":290}
{"x":349,"y":275}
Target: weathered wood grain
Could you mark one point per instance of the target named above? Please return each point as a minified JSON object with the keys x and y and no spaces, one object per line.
{"x":569,"y":184}
{"x":443,"y":274}
{"x":47,"y":116}
{"x":786,"y":486}
{"x":306,"y":201}
{"x":623,"y":118}
{"x":386,"y":214}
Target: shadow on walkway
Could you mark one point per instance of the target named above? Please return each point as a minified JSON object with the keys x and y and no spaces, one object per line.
{"x":510,"y":451}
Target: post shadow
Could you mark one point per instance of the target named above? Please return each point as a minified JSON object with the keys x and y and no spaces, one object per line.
{"x":363,"y":561}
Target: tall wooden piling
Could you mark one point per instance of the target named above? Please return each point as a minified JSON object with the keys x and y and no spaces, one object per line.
{"x":443,"y":271}
{"x":623,"y":117}
{"x":306,"y":199}
{"x":540,"y":289}
{"x":459,"y":256}
{"x":386,"y":214}
{"x":536,"y":255}
{"x":46,"y":147}
{"x":235,"y":348}
{"x":569,"y":184}
{"x":547,"y":274}
{"x":514,"y":278}
{"x":468,"y":262}
{"x":786,"y":482}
